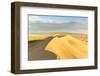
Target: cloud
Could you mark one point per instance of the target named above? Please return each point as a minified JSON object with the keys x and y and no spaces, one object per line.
{"x":34,"y":18}
{"x":43,"y":24}
{"x":37,"y":19}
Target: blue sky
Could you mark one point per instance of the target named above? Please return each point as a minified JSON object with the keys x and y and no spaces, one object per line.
{"x":64,"y":19}
{"x":44,"y":24}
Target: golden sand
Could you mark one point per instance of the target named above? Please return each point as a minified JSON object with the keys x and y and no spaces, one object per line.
{"x":33,"y":37}
{"x":68,"y":47}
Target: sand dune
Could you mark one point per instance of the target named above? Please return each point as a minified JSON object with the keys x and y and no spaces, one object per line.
{"x":33,"y":37}
{"x":68,"y":47}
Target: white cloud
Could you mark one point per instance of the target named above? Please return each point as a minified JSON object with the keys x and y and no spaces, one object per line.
{"x":34,"y":18}
{"x":38,"y":18}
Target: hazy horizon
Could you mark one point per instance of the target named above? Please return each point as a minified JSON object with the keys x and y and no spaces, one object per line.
{"x":45,"y":24}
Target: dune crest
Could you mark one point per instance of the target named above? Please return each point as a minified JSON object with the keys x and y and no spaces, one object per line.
{"x":68,"y":47}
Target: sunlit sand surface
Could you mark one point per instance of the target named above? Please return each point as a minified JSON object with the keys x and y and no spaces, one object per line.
{"x":33,"y":37}
{"x":62,"y":45}
{"x":68,"y":47}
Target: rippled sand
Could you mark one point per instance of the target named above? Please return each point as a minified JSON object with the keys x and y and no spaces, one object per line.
{"x":68,"y":47}
{"x":57,"y":46}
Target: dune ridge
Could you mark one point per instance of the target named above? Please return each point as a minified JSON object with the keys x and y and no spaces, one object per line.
{"x":68,"y":47}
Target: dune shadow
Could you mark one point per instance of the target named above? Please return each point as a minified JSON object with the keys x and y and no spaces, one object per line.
{"x":36,"y":50}
{"x":42,"y":55}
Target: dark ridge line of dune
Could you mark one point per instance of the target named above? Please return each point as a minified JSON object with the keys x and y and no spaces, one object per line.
{"x":44,"y":42}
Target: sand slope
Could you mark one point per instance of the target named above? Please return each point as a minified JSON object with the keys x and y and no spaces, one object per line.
{"x":33,"y":37}
{"x":68,"y":47}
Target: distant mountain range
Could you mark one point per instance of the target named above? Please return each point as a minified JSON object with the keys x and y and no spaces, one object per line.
{"x":61,"y":27}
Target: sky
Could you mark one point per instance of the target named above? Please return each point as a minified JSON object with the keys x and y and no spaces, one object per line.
{"x":45,"y":24}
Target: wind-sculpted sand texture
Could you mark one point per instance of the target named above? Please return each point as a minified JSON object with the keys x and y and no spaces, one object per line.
{"x":68,"y":47}
{"x":57,"y":46}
